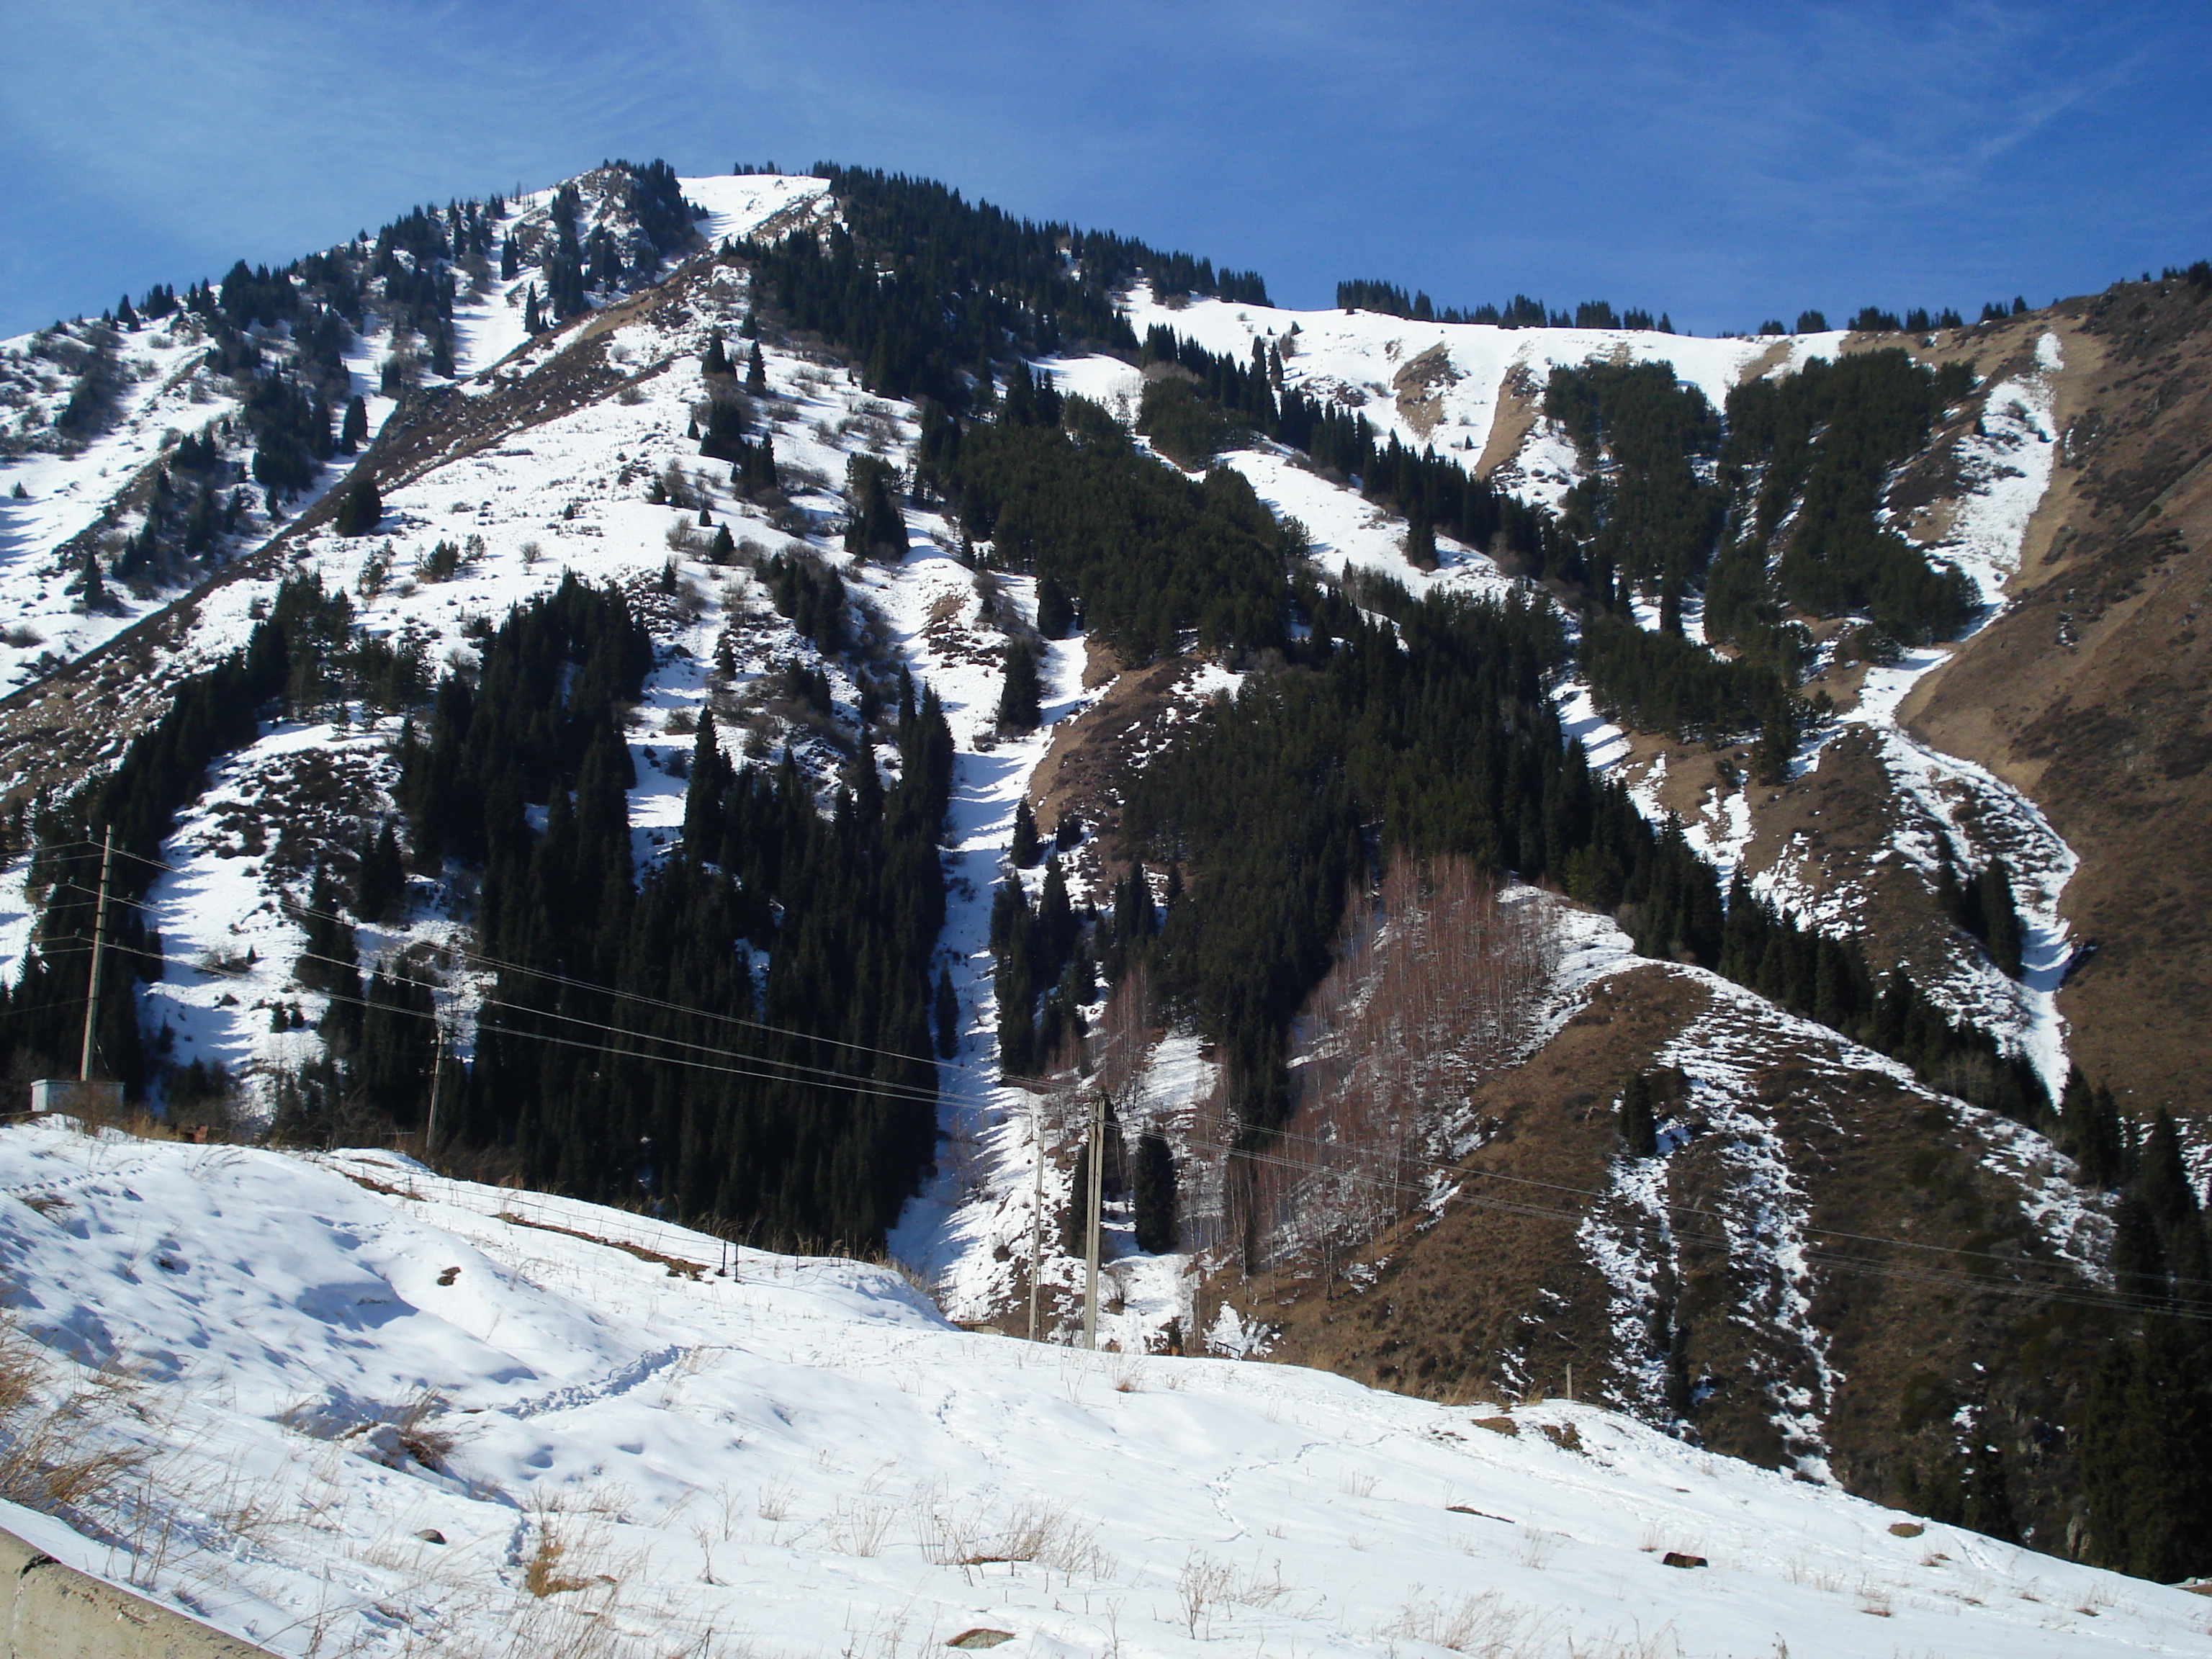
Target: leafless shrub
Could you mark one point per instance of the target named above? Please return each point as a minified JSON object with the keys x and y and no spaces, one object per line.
{"x":48,"y":1460}
{"x":427,"y":1446}
{"x":1200,"y":1587}
{"x":859,"y":1527}
{"x":22,"y":635}
{"x":541,"y":1575}
{"x":1484,"y":1625}
{"x":1537,"y":1548}
{"x":218,"y":962}
{"x":1031,"y":1529}
{"x":950,"y":1536}
{"x":774,"y":1501}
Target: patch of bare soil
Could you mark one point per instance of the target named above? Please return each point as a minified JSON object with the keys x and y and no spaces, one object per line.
{"x":2094,"y":693}
{"x":1765,"y":363}
{"x":1086,"y":768}
{"x":1520,"y":406}
{"x":1831,"y":831}
{"x":1446,"y":1311}
{"x":1420,"y":384}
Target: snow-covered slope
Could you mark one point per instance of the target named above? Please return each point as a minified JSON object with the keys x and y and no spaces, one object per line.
{"x":370,"y":1411}
{"x":84,"y":492}
{"x":1456,"y":385}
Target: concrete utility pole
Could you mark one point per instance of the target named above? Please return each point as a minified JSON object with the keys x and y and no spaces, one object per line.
{"x":98,"y":951}
{"x":1095,"y":1185}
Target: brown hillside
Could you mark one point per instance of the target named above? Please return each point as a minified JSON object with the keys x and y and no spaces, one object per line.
{"x":1498,"y":1296}
{"x":2091,"y":694}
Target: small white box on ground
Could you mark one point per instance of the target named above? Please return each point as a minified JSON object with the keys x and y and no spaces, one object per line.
{"x":55,"y":1094}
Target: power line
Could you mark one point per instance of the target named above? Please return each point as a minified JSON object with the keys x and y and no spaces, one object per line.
{"x":846,"y":1081}
{"x":1444,"y":1166}
{"x":906,"y":1090}
{"x":830,"y":1079}
{"x":497,"y":964}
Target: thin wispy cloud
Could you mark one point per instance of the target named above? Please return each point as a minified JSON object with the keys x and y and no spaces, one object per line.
{"x":1721,"y":161}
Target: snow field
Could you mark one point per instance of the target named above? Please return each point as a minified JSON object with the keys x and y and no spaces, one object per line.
{"x":1356,"y":359}
{"x":322,"y":1364}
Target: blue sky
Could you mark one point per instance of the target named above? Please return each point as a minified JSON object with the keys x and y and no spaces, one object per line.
{"x":1724,"y":162}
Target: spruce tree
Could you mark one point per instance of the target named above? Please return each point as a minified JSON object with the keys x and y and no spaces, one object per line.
{"x":1075,"y":1219}
{"x":2000,"y":917}
{"x":1055,"y":616}
{"x":2089,"y":1131}
{"x":947,"y":1010}
{"x":1024,"y":850}
{"x":360,"y":509}
{"x":1639,"y":1125}
{"x":1018,"y":706}
{"x":1152,"y":1192}
{"x":381,"y":885}
{"x":2146,"y":1460}
{"x":756,"y":371}
{"x":354,"y":431}
{"x":329,"y":960}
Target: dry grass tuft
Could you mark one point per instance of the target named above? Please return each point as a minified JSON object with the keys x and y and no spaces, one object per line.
{"x":541,"y":1575}
{"x":1485,"y":1625}
{"x":428,"y":1446}
{"x":47,"y":1460}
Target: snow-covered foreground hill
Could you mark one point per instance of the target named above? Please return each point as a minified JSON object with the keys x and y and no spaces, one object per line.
{"x":370,"y":1411}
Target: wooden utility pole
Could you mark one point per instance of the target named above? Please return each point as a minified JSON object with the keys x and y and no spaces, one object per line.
{"x":98,"y":951}
{"x":437,"y":1067}
{"x":1094,"y":1187}
{"x":1036,"y":1210}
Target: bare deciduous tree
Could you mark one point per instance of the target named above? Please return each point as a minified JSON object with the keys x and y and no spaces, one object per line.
{"x":1439,"y":979}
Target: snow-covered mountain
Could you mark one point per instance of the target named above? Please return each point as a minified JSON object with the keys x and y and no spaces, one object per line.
{"x":574,"y":452}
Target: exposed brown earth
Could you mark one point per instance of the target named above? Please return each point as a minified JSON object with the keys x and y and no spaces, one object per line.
{"x":2091,"y":694}
{"x":1496,"y":1296}
{"x":1520,"y":406}
{"x":1086,"y":768}
{"x":1833,"y":829}
{"x":1420,"y":384}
